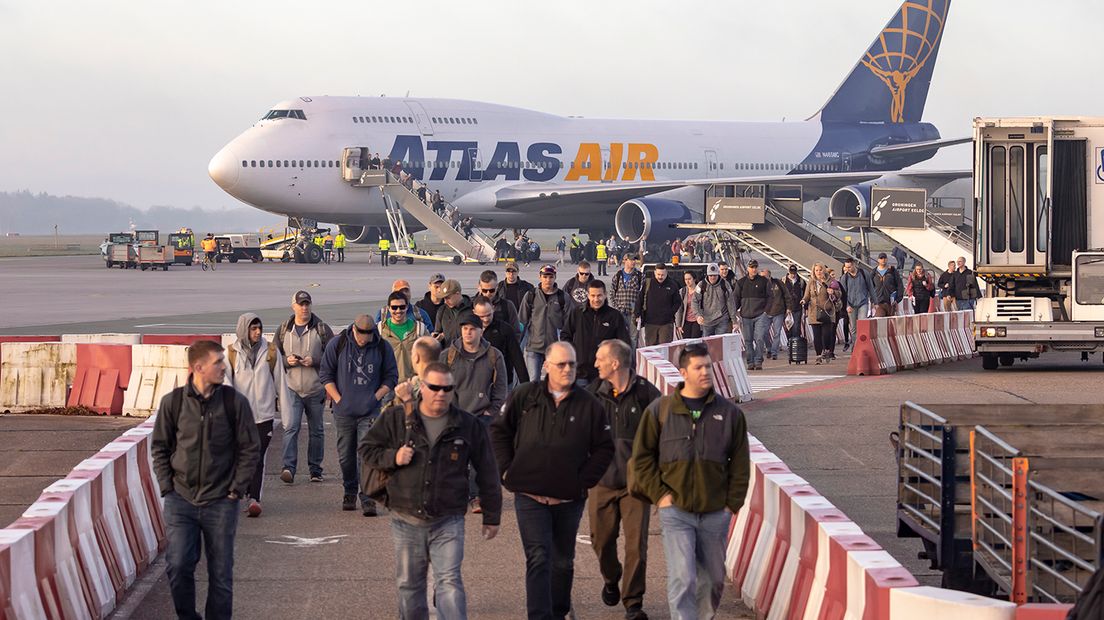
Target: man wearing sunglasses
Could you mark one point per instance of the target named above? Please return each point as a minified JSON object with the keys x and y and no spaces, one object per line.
{"x":552,"y":443}
{"x":427,"y":447}
{"x":358,"y":370}
{"x":400,"y":330}
{"x":576,"y":288}
{"x":503,"y":308}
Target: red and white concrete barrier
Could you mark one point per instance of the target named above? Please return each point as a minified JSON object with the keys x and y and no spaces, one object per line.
{"x":888,"y":344}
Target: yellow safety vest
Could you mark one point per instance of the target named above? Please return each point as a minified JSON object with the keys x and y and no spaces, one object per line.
{"x":339,"y":241}
{"x":318,"y":240}
{"x":601,"y":249}
{"x":384,"y":244}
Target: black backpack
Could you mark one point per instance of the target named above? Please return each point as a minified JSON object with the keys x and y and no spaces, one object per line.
{"x":1090,"y":605}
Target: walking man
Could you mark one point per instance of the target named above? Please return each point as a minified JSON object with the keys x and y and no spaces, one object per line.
{"x":301,"y":341}
{"x":504,"y":308}
{"x":542,"y":311}
{"x":384,"y":249}
{"x":427,"y":446}
{"x":656,"y":308}
{"x":625,"y":292}
{"x":795,"y":289}
{"x":513,"y":287}
{"x":340,"y":241}
{"x":204,"y":450}
{"x":624,"y":397}
{"x":358,"y":370}
{"x":504,"y":338}
{"x":714,"y":303}
{"x":576,"y":288}
{"x":251,"y":370}
{"x":778,"y":306}
{"x":888,"y":289}
{"x":552,"y":443}
{"x":601,"y":256}
{"x":944,"y":288}
{"x":966,"y":290}
{"x":690,"y":458}
{"x":590,"y":326}
{"x":858,"y":290}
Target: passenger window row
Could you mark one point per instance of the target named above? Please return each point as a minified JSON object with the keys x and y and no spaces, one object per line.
{"x":290,"y":163}
{"x":440,"y":120}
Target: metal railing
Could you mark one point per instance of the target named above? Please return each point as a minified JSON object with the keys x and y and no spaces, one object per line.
{"x":920,"y":469}
{"x":1065,"y":545}
{"x":993,"y":505}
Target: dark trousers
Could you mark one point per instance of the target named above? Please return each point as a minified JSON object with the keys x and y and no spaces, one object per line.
{"x":798,"y":324}
{"x":186,"y":528}
{"x":691,"y":329}
{"x":923,"y":304}
{"x":609,"y":510}
{"x":473,"y":488}
{"x":846,"y":327}
{"x":548,"y":537}
{"x":350,"y":432}
{"x":602,"y":263}
{"x":824,"y":337}
{"x":341,"y":255}
{"x":264,"y":430}
{"x":658,"y":334}
{"x":383,"y":257}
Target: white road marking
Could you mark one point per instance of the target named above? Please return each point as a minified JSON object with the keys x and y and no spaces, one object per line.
{"x":296,"y":541}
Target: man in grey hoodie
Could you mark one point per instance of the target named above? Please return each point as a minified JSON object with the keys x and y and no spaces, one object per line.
{"x":543,"y":311}
{"x":714,"y":303}
{"x":479,"y":374}
{"x":251,"y":370}
{"x":301,"y":340}
{"x":859,"y":290}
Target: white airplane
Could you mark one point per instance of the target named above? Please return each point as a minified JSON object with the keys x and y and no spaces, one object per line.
{"x":509,"y":167}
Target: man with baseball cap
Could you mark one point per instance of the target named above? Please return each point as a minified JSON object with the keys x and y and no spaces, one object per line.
{"x":403,"y":286}
{"x":714,"y":304}
{"x":456,"y":304}
{"x":542,"y":311}
{"x":513,"y":287}
{"x":301,"y":341}
{"x":751,"y":296}
{"x":432,"y":301}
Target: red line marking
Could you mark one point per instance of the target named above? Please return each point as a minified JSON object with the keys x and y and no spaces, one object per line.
{"x":816,"y":388}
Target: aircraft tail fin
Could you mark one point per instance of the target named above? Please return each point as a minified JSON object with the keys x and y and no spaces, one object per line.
{"x":890,"y":82}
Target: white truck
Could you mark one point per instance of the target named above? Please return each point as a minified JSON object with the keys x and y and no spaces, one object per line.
{"x":1039,"y":234}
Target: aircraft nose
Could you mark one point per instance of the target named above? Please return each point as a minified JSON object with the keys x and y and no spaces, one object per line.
{"x":224,"y":168}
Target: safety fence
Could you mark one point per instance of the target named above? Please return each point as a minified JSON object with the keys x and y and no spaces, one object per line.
{"x":889,"y":344}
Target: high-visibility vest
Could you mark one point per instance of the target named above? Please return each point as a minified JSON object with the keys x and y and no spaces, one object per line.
{"x":339,"y":241}
{"x":601,"y":249}
{"x":575,"y":243}
{"x":384,"y":244}
{"x":318,"y":241}
{"x":209,"y":245}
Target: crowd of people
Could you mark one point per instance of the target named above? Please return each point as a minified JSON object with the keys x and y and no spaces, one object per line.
{"x":528,"y":387}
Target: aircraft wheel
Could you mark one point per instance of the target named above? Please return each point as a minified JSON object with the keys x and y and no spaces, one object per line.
{"x":313,"y":254}
{"x":989,"y":361}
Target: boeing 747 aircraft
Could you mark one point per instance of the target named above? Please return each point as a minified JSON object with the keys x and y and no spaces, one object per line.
{"x":509,"y":167}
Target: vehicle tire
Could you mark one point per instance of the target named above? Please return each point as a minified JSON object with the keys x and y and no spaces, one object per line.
{"x":286,"y":258}
{"x":394,"y":260}
{"x":313,"y":254}
{"x":409,"y":260}
{"x":258,"y":259}
{"x":1006,"y":359}
{"x":164,"y":267}
{"x":989,"y":361}
{"x":298,"y":255}
{"x":218,"y":258}
{"x":455,"y":260}
{"x":233,"y":259}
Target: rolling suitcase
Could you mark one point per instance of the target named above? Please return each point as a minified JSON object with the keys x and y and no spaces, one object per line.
{"x":799,"y":350}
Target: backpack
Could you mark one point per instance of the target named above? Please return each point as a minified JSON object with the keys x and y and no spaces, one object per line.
{"x":285,"y":327}
{"x":270,"y":357}
{"x":492,"y":354}
{"x":373,"y":482}
{"x":1090,"y":604}
{"x":663,"y":412}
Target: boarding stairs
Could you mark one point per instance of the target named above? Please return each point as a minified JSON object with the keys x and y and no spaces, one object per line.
{"x":399,"y":199}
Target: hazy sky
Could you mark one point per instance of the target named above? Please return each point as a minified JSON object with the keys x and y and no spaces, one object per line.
{"x":129,"y":100}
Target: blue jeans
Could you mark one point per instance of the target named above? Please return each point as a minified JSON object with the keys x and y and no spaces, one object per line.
{"x":313,"y":405}
{"x":548,"y":537}
{"x":775,"y":325}
{"x":694,"y":544}
{"x":755,"y":337}
{"x":721,"y":327}
{"x":418,"y":547}
{"x":965,"y":304}
{"x":534,"y":364}
{"x":186,"y":527}
{"x":350,"y":431}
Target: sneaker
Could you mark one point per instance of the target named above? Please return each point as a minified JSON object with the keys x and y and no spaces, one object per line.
{"x":635,"y":613}
{"x":348,"y":502}
{"x":476,"y":507}
{"x":611,"y":594}
{"x":369,"y":509}
{"x":316,"y":478}
{"x":254,"y":509}
{"x":819,"y":360}
{"x":287,"y":476}
{"x":846,"y":347}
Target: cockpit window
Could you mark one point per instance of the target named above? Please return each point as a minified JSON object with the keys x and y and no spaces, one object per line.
{"x":284,"y":114}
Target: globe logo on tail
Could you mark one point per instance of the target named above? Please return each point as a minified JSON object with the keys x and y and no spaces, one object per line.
{"x":902,"y":49}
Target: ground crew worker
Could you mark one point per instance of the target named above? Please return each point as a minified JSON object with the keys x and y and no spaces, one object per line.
{"x":327,"y":248}
{"x":601,"y":257}
{"x":384,"y":248}
{"x":210,"y":247}
{"x":576,"y":248}
{"x":339,"y":244}
{"x":410,"y":242}
{"x":318,"y":240}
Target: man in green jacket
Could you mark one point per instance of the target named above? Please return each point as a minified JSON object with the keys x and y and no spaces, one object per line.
{"x":690,"y":458}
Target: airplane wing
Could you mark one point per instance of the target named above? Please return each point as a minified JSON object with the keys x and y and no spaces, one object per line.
{"x":532,"y":197}
{"x":911,"y":148}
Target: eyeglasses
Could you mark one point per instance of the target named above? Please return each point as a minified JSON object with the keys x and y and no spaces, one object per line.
{"x":584,"y":273}
{"x":486,"y":290}
{"x":563,"y":365}
{"x":440,"y":388}
{"x":397,"y":308}
{"x":361,"y":331}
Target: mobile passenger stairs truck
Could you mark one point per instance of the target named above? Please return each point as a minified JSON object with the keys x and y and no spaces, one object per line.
{"x":1039,"y":200}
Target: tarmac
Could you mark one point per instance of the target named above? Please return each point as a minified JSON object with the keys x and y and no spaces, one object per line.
{"x":305,"y":557}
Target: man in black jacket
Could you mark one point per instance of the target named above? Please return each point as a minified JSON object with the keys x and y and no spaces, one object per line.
{"x":751,"y":295}
{"x":655,"y":309}
{"x":944,"y":289}
{"x":624,"y":396}
{"x":777,"y":309}
{"x":504,"y":338}
{"x":552,"y":444}
{"x":446,"y":325}
{"x":966,"y":290}
{"x":589,"y":326}
{"x":513,"y":287}
{"x":504,"y":308}
{"x":795,"y":289}
{"x":432,"y":301}
{"x":205,"y":448}
{"x":427,"y":446}
{"x":888,"y":289}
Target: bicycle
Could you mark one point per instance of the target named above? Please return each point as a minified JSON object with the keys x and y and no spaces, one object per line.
{"x":208,"y":261}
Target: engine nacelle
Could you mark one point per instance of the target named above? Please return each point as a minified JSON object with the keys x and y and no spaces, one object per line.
{"x":650,"y":219}
{"x":852,"y":201}
{"x":360,"y":234}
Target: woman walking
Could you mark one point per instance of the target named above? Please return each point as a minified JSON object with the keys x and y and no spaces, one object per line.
{"x":820,"y":306}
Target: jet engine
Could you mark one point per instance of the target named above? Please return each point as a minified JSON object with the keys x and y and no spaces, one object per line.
{"x":649,"y":219}
{"x":360,"y":234}
{"x":853,"y":201}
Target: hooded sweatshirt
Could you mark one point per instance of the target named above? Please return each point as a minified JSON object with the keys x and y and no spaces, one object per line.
{"x":250,"y":373}
{"x":358,"y":372}
{"x":480,"y":377}
{"x":714,"y":302}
